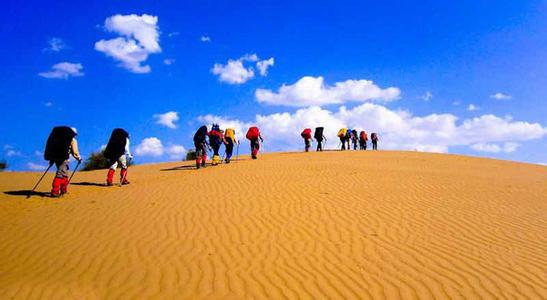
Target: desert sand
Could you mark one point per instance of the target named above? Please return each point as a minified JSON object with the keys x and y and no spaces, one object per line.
{"x":339,"y":225}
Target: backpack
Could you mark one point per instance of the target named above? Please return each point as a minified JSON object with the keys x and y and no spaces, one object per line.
{"x":306,"y":133}
{"x":253,"y":133}
{"x":342,"y":132}
{"x":58,"y":143}
{"x":318,"y":135}
{"x":373,"y":136}
{"x":363,"y":136}
{"x":116,"y":145}
{"x":199,"y":136}
{"x":230,"y":133}
{"x":348,"y":133}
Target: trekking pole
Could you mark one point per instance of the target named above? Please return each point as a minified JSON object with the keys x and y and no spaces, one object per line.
{"x":73,"y":172}
{"x":36,"y":185}
{"x":237,"y":152}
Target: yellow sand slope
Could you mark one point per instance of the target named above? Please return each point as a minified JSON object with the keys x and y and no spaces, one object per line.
{"x":302,"y":225}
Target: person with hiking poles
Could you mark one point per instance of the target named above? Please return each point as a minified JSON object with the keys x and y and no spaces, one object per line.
{"x":230,"y":138}
{"x":363,"y":138}
{"x":374,"y":138}
{"x":319,"y":137}
{"x":200,"y":142}
{"x":117,"y":152}
{"x":343,"y":135}
{"x":354,"y":139}
{"x":61,"y":144}
{"x":216,"y":139}
{"x":306,"y":135}
{"x":348,"y":138}
{"x":253,"y":135}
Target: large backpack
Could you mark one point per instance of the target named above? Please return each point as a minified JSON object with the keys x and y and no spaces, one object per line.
{"x":342,"y":132}
{"x":318,"y":135}
{"x":363,"y":136}
{"x":306,"y":133}
{"x":348,"y":133}
{"x":230,"y":133}
{"x":373,"y":136}
{"x":116,"y":145}
{"x":58,"y":143}
{"x":354,"y":134}
{"x":253,"y":133}
{"x":199,"y":136}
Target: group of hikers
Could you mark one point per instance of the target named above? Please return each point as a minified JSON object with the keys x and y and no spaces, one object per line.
{"x":62,"y":144}
{"x":346,"y":136}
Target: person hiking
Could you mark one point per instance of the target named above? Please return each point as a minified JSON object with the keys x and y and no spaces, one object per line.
{"x":342,"y":134}
{"x":61,"y":144}
{"x":354,"y":139}
{"x":374,"y":138}
{"x":117,"y":152}
{"x":319,"y":137}
{"x":348,"y":138}
{"x":363,"y":138}
{"x":201,"y":144}
{"x":216,"y":139}
{"x":306,"y":135}
{"x":253,"y":135}
{"x":230,"y":138}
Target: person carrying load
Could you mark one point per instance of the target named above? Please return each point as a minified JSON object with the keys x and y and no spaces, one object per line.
{"x":363,"y":138}
{"x":61,"y":143}
{"x":216,"y":139}
{"x":374,"y":138}
{"x":253,"y":135}
{"x":200,"y":142}
{"x":306,"y":135}
{"x":117,"y":152}
{"x":319,"y":137}
{"x":342,"y":134}
{"x":354,"y":139}
{"x":230,"y":138}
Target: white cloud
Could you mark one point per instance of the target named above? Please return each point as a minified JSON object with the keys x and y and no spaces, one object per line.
{"x":263,"y":65}
{"x":12,"y":152}
{"x":233,"y":72}
{"x":500,"y":96}
{"x":167,"y":119}
{"x":309,"y":91}
{"x":456,"y":102}
{"x":472,"y":107}
{"x":48,"y":104}
{"x":173,"y":34}
{"x":205,"y":39}
{"x":63,"y":70}
{"x":507,"y":147}
{"x":38,"y":153}
{"x":55,"y":45}
{"x":176,"y":151}
{"x":398,"y":129}
{"x":427,"y":96}
{"x":169,"y":61}
{"x":36,"y":167}
{"x":151,"y":146}
{"x":139,"y":37}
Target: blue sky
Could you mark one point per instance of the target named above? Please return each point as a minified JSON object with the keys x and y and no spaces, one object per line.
{"x":342,"y":56}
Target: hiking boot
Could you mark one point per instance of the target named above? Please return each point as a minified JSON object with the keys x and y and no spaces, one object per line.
{"x":110,"y":177}
{"x":56,"y":187}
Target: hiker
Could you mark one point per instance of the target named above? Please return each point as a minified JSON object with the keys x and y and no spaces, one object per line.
{"x":216,"y":139}
{"x":253,"y":135}
{"x":354,"y":139}
{"x":342,"y":134}
{"x":319,"y":137}
{"x":61,"y":143}
{"x":363,"y":138}
{"x":230,"y":138}
{"x":374,"y":138}
{"x":348,"y":137}
{"x":117,"y":152}
{"x":306,"y":135}
{"x":200,"y":142}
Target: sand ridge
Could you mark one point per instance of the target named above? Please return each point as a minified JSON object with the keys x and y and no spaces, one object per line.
{"x":348,"y":225}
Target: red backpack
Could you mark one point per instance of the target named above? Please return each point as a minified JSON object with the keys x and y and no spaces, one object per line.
{"x":253,"y":133}
{"x":306,"y":133}
{"x":363,"y":136}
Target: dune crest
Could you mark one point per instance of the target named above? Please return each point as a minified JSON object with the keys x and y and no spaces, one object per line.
{"x":289,"y":225}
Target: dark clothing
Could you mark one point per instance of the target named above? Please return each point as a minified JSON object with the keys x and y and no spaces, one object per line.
{"x":229,"y":148}
{"x":343,"y":140}
{"x":375,"y":145}
{"x":255,"y":146}
{"x":307,"y":144}
{"x":319,"y":145}
{"x":363,"y":145}
{"x":354,"y":141}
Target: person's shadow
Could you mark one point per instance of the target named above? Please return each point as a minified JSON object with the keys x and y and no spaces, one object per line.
{"x":27,"y":193}
{"x":89,"y":184}
{"x":180,"y":168}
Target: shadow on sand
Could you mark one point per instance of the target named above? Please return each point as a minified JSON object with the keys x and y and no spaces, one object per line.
{"x":26,"y":193}
{"x":89,"y":184}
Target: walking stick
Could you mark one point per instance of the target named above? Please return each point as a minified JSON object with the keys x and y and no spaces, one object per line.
{"x":237,"y":151}
{"x":36,"y":185}
{"x":73,"y":172}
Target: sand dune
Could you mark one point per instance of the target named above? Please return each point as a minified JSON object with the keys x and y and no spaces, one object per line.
{"x":291,"y":225}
